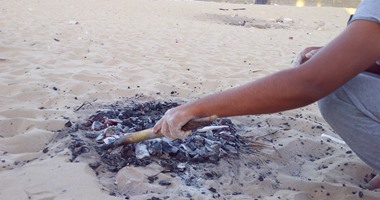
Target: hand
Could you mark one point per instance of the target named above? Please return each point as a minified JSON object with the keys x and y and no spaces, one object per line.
{"x":170,"y":125}
{"x":305,"y":55}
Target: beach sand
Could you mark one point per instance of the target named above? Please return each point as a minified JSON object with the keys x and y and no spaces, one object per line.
{"x":57,"y":55}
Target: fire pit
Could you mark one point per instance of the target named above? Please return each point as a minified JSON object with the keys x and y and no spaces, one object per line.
{"x":208,"y":145}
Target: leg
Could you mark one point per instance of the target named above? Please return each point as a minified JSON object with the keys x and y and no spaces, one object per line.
{"x":353,"y":111}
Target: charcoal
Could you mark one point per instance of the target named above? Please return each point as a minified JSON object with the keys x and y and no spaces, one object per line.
{"x":212,"y":189}
{"x":199,"y":159}
{"x":214,"y":159}
{"x":151,"y":179}
{"x":168,"y":148}
{"x":103,"y":114}
{"x":192,"y":154}
{"x":100,"y":137}
{"x":202,"y":152}
{"x":84,"y":149}
{"x":92,"y":134}
{"x":155,"y":147}
{"x":125,"y":114}
{"x":170,"y":165}
{"x":141,"y":151}
{"x":113,"y":122}
{"x":94,"y":165}
{"x":45,"y":150}
{"x":185,"y":148}
{"x":68,"y":124}
{"x":97,"y":117}
{"x":112,"y":130}
{"x":96,"y":126}
{"x":128,"y":151}
{"x":210,"y":142}
{"x":181,"y":157}
{"x":181,"y":167}
{"x":176,"y":142}
{"x":77,"y":147}
{"x":210,"y":136}
{"x":111,"y":139}
{"x":107,"y":125}
{"x":229,"y":149}
{"x":210,"y":151}
{"x":164,"y":183}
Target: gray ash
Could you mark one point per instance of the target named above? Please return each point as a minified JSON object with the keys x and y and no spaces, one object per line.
{"x":173,"y":155}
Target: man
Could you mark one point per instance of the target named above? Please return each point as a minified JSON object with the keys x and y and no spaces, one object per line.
{"x":349,"y":99}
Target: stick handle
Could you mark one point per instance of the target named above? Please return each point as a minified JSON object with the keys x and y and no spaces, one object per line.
{"x":148,"y":134}
{"x":196,"y":123}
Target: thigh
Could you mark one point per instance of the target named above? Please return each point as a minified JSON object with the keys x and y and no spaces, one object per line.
{"x":353,"y":111}
{"x":363,"y":92}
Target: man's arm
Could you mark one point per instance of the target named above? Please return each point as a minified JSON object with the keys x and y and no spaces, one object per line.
{"x":349,"y":54}
{"x":309,"y":52}
{"x":352,"y":52}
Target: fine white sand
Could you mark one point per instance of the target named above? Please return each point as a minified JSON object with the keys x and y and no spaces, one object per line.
{"x":56,"y":55}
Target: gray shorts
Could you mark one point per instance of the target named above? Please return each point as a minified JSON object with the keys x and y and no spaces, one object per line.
{"x":353,"y":111}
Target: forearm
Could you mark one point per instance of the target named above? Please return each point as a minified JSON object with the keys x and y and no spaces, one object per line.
{"x":278,"y":92}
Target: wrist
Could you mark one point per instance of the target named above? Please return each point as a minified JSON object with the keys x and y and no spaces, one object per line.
{"x":194,"y":110}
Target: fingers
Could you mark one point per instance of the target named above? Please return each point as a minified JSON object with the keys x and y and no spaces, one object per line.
{"x":175,"y":128}
{"x":311,"y":53}
{"x":170,"y":125}
{"x":305,"y":55}
{"x":162,"y":128}
{"x":157,"y":127}
{"x":297,"y":60}
{"x":177,"y":133}
{"x":165,"y":129}
{"x":300,"y":58}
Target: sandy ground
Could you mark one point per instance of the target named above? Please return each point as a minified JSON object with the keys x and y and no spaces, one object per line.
{"x":56,"y":55}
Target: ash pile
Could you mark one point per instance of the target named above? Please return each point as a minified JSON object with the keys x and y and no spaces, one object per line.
{"x":207,"y":145}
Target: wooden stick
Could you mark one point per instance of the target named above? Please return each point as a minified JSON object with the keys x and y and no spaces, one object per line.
{"x":148,"y":134}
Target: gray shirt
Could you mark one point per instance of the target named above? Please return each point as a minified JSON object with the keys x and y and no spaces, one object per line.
{"x":368,"y":10}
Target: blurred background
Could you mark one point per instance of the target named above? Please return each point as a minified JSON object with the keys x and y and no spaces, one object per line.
{"x":300,"y":3}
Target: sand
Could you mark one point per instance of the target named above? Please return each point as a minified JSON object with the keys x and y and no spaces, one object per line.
{"x":55,"y":56}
